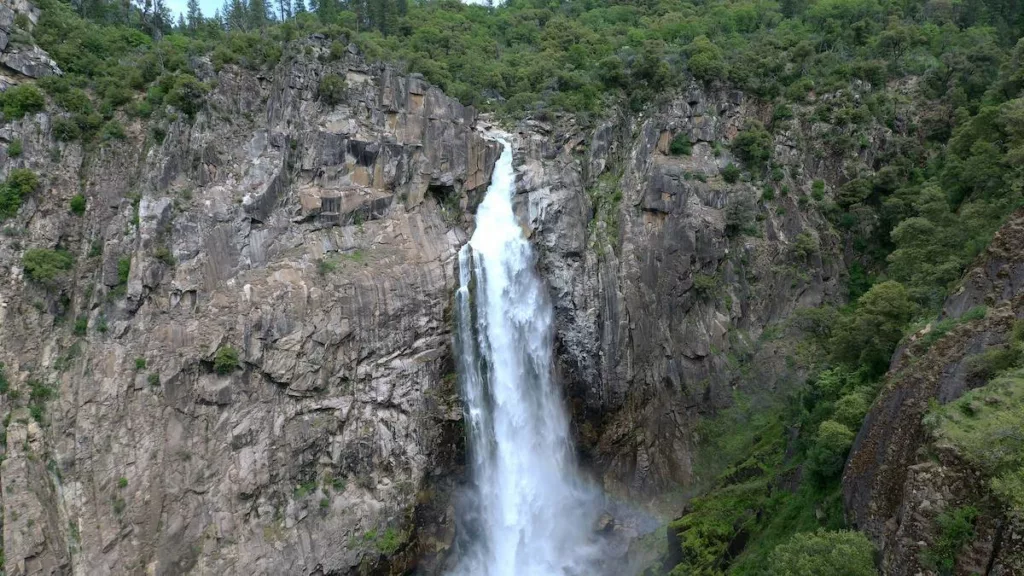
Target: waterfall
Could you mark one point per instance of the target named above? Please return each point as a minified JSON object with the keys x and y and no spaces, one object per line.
{"x":532,"y":514}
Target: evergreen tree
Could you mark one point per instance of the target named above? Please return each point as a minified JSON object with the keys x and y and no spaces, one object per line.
{"x":237,"y":18}
{"x":195,"y":15}
{"x":258,"y":15}
{"x":284,"y":8}
{"x":298,"y":7}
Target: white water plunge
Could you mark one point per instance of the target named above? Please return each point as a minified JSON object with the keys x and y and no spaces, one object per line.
{"x":533,"y":515}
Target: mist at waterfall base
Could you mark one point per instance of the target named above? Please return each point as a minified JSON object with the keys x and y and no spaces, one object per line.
{"x":528,"y":513}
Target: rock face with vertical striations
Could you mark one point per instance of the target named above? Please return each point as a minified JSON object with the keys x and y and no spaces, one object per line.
{"x":666,"y":277}
{"x":248,"y":367}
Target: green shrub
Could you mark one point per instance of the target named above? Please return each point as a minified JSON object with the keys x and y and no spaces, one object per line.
{"x":113,"y":130}
{"x":39,"y":392}
{"x":995,"y":360}
{"x":81,"y":325}
{"x":164,"y":255}
{"x":806,"y":244}
{"x":122,"y":482}
{"x":956,"y":529}
{"x":828,"y":453}
{"x":304,"y":489}
{"x":337,"y":51}
{"x":680,"y":145}
{"x":20,"y":100}
{"x":731,"y":173}
{"x":332,"y":89}
{"x":14,"y":149}
{"x":837,"y":553}
{"x":78,"y":204}
{"x":45,"y":266}
{"x":818,"y":190}
{"x":851,"y":409}
{"x":226,"y":360}
{"x":187,"y":94}
{"x":705,"y":286}
{"x":75,"y":101}
{"x":124,"y":269}
{"x":768,"y":193}
{"x":706,"y":60}
{"x":389,"y":542}
{"x":66,"y":130}
{"x":153,"y":379}
{"x":140,"y":363}
{"x":325,"y":266}
{"x":753,"y":144}
{"x":781,"y":112}
{"x":20,"y":183}
{"x":739,"y":215}
{"x":867,"y":335}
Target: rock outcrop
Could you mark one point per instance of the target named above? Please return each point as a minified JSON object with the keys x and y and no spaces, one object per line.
{"x":666,"y":276}
{"x":19,"y":57}
{"x":248,"y":369}
{"x":898,"y":478}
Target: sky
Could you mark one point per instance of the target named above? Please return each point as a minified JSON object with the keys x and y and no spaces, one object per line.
{"x":208,"y":6}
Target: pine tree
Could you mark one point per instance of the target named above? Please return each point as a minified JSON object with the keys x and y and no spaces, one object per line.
{"x":236,"y":16}
{"x":298,"y":7}
{"x":258,"y":16}
{"x":284,"y":7}
{"x":195,"y":15}
{"x":224,"y":15}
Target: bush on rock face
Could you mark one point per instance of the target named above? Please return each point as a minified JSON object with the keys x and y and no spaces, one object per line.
{"x":45,"y":266}
{"x":187,"y":94}
{"x":226,"y":360}
{"x":332,"y":89}
{"x":19,"y":184}
{"x":840,"y":553}
{"x":753,"y":144}
{"x":20,"y":100}
{"x":680,"y":145}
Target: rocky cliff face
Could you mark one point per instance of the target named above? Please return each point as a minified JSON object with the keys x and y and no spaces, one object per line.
{"x":669,"y":280}
{"x":19,"y":57}
{"x":315,"y":241}
{"x":900,"y":477}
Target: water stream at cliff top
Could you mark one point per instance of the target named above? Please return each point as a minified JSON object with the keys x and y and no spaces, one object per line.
{"x":531,"y":513}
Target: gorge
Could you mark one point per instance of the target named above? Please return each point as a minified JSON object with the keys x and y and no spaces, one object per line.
{"x":583,"y":287}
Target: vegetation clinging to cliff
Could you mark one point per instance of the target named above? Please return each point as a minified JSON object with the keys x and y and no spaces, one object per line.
{"x":945,"y":85}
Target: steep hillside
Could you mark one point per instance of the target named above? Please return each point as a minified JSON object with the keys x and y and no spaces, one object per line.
{"x":934,"y":475}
